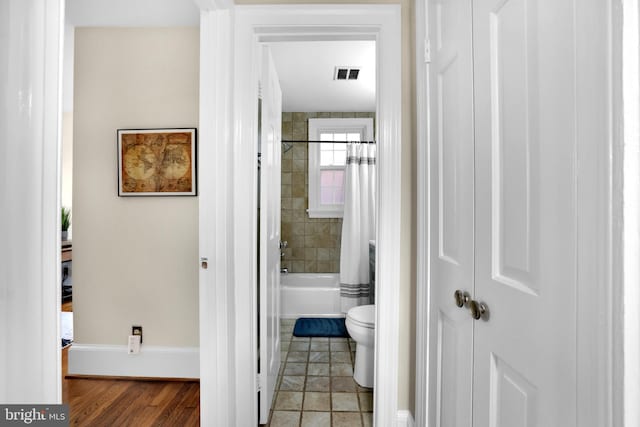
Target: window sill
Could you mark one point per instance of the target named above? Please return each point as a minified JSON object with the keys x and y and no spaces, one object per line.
{"x":325,"y":213}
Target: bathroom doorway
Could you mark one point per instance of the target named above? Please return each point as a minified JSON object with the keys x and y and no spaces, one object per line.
{"x":328,"y":95}
{"x":268,"y":24}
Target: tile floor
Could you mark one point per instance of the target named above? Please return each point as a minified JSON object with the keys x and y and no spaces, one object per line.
{"x":316,"y":387}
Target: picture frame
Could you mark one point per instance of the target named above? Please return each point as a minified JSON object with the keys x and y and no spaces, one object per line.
{"x":157,"y":162}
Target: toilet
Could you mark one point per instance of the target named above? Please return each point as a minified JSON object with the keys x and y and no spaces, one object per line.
{"x":360,"y":323}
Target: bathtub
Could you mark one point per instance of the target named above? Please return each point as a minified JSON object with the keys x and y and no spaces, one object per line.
{"x":310,"y":295}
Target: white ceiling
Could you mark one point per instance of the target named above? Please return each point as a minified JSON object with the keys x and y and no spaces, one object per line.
{"x":306,"y":71}
{"x":131,"y":13}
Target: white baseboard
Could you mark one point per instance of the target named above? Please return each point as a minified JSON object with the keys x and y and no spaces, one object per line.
{"x":151,"y":362}
{"x":405,"y":419}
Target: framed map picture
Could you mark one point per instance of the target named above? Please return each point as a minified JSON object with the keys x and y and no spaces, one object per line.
{"x":157,"y":162}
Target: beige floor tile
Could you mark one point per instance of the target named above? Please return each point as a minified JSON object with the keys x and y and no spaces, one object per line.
{"x":317,"y":384}
{"x":319,"y":357}
{"x":292,"y":383}
{"x":316,"y":419}
{"x":344,"y":384}
{"x":340,"y":357}
{"x":341,"y":370}
{"x":289,"y":400}
{"x":285,"y":419}
{"x":344,"y":402}
{"x":346,"y":419}
{"x":367,"y":419}
{"x":319,"y":346}
{"x":300,"y":339}
{"x":284,"y":346}
{"x":297,"y":356}
{"x":320,"y":339}
{"x":366,"y":402}
{"x":299,"y":346}
{"x":318,"y":369}
{"x":339,"y":346}
{"x":332,"y":340}
{"x":314,"y":401}
{"x":293,"y":368}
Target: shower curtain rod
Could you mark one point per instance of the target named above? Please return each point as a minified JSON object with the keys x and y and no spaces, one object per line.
{"x":333,"y":142}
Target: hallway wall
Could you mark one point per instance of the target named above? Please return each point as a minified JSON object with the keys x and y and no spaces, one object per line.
{"x":135,"y":258}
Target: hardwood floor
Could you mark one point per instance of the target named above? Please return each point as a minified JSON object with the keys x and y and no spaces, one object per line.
{"x":97,"y":402}
{"x":115,"y":403}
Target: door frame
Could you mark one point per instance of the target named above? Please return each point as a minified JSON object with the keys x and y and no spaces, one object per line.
{"x":599,"y":341}
{"x":321,"y":22}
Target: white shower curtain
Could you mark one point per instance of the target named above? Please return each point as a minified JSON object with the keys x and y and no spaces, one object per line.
{"x":358,"y":225}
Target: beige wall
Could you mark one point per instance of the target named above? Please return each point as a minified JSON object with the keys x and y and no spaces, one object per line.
{"x":406,"y":334}
{"x":66,"y":191}
{"x":134,"y":259}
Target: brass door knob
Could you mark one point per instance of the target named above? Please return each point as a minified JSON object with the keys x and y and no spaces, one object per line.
{"x":461,"y":298}
{"x":478,"y":310}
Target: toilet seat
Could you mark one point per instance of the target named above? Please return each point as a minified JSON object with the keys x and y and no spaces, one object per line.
{"x":363,"y":316}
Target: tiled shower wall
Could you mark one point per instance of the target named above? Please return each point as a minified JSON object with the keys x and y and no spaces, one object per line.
{"x":314,"y":243}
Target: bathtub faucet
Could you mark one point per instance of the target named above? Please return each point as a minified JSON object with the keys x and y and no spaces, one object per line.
{"x":284,"y":270}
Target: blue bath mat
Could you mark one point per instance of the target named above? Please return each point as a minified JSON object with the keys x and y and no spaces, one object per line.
{"x":320,"y":327}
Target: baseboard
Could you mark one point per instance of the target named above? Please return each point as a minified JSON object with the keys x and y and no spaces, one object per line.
{"x":405,"y":419}
{"x":151,"y":362}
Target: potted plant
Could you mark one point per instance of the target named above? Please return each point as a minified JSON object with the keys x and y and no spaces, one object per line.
{"x":65,"y":222}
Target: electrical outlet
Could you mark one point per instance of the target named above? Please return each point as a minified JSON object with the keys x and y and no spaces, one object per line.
{"x":137,"y":331}
{"x":134,"y":344}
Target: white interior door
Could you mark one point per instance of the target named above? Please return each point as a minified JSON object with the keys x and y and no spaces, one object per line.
{"x":503,"y":213}
{"x":526,"y":217}
{"x":269,"y":298}
{"x":452,"y":210}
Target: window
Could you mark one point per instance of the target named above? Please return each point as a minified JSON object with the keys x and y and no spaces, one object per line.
{"x":327,"y":162}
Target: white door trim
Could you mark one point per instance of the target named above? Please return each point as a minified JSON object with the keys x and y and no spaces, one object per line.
{"x":600,"y":346}
{"x":423,"y":284}
{"x":30,"y":125}
{"x":338,"y":22}
{"x":216,"y":238}
{"x":626,"y":210}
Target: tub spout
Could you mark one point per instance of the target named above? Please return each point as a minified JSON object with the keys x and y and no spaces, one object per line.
{"x":284,"y":270}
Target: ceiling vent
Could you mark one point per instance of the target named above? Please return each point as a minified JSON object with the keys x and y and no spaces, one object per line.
{"x":346,"y":73}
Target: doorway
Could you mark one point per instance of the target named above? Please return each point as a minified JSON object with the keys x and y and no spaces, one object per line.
{"x":254,"y":24}
{"x":316,"y":382}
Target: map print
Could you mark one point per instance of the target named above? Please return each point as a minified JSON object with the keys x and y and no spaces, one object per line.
{"x":157,"y":162}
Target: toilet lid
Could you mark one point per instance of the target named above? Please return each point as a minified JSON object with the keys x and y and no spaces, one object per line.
{"x":363,"y":315}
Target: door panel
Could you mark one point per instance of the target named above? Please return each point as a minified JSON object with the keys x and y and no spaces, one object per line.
{"x":451,"y":194}
{"x":514,"y":124}
{"x":524,"y":353}
{"x":269,"y":233}
{"x":513,"y":400}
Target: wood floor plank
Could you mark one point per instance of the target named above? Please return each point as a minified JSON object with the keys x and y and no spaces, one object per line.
{"x":116,"y":403}
{"x":121,"y":402}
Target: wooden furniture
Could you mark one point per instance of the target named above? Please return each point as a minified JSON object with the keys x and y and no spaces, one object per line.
{"x":66,"y":257}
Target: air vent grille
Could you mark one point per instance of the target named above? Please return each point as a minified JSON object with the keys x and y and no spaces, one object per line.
{"x":346,"y":73}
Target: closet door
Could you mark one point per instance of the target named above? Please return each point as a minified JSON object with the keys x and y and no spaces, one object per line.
{"x":451,"y":210}
{"x":525,"y":344}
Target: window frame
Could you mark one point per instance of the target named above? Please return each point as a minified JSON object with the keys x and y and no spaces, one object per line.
{"x":363,"y":126}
